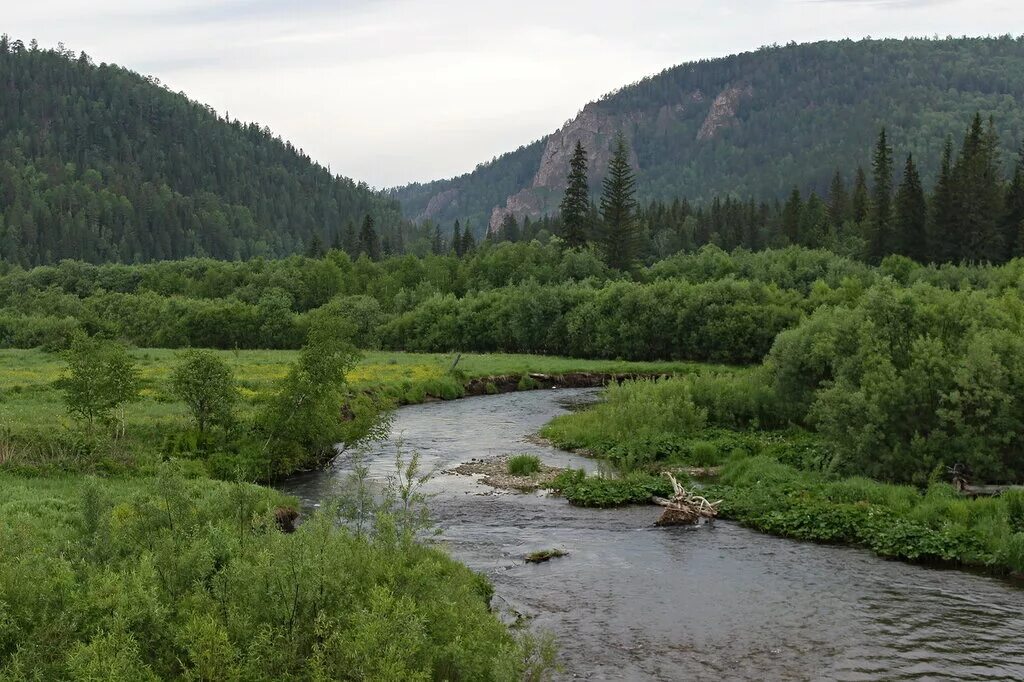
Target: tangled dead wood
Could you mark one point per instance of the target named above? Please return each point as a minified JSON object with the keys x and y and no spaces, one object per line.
{"x":685,"y":508}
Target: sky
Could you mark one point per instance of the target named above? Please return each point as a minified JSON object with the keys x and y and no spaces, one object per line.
{"x":395,"y":91}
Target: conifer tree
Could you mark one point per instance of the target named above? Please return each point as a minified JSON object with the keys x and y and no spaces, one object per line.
{"x":911,"y":215}
{"x":1013,"y":222}
{"x":351,"y":239}
{"x":978,"y":195}
{"x":369,"y":243}
{"x":509,"y":230}
{"x":942,"y":237}
{"x":880,"y":235}
{"x":456,"y":239}
{"x":813,"y":222}
{"x":791,"y":217}
{"x":468,"y":242}
{"x":618,"y":209}
{"x":575,"y":207}
{"x":437,"y":242}
{"x":838,"y":203}
{"x":315,"y":249}
{"x":859,"y":202}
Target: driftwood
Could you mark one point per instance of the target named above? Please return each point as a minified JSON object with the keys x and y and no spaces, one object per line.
{"x":962,"y":484}
{"x":685,"y":508}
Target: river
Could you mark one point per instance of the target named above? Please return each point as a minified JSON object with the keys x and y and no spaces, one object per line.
{"x":719,"y":602}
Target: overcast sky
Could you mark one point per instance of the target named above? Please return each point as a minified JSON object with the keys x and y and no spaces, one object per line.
{"x":392,"y":91}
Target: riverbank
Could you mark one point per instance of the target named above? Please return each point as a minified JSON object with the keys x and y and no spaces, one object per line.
{"x":782,"y":482}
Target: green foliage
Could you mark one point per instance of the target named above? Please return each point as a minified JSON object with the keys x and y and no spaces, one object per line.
{"x":101,"y":377}
{"x":169,"y":579}
{"x":598,"y":491}
{"x":305,"y":418}
{"x":804,"y":111}
{"x":207,"y":386}
{"x":523,"y":465}
{"x":175,"y":180}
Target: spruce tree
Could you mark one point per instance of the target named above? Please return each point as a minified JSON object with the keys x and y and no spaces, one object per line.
{"x":978,"y":194}
{"x":838,"y":203}
{"x":468,"y":242}
{"x":791,"y":217}
{"x":575,"y":207}
{"x":880,"y":238}
{"x":437,"y":242}
{"x":911,"y":215}
{"x":315,"y":249}
{"x":509,"y":230}
{"x":1013,"y":220}
{"x":369,"y":243}
{"x":456,"y":239}
{"x":859,"y":202}
{"x":942,"y":238}
{"x":618,"y":209}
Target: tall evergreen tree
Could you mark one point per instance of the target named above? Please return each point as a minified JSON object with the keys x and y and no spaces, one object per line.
{"x":791,"y":217}
{"x":978,"y":194}
{"x":575,"y":207}
{"x":943,"y":241}
{"x":911,"y":222}
{"x":859,"y":202}
{"x":351,"y":239}
{"x":369,"y":242}
{"x":468,"y":241}
{"x":880,"y":235}
{"x":456,"y":239}
{"x":437,"y":242}
{"x":315,"y":248}
{"x":838,"y":203}
{"x":1013,"y":221}
{"x":618,"y":209}
{"x":509,"y":230}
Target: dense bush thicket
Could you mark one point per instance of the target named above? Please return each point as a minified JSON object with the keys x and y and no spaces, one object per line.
{"x":172,"y":579}
{"x":523,"y":297}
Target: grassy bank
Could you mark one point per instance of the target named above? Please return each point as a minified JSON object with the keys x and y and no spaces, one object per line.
{"x":784,"y":482}
{"x":29,"y":398}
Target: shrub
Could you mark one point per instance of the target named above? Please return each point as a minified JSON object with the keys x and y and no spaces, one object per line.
{"x":598,"y":491}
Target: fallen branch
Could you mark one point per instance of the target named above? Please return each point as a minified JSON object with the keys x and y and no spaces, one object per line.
{"x":685,"y":507}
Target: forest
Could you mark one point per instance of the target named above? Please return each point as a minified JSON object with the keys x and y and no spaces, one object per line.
{"x":810,"y":108}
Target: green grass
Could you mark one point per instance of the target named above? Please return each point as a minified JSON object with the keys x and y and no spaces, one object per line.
{"x":29,"y":399}
{"x":523,"y":465}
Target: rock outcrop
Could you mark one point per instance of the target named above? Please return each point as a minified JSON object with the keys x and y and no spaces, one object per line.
{"x":723,"y":111}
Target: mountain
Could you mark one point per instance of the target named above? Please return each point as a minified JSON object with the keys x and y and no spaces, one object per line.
{"x":755,"y":125}
{"x":100,"y":164}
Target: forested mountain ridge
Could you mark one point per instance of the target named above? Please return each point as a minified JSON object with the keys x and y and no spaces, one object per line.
{"x":100,"y":164}
{"x":755,"y":125}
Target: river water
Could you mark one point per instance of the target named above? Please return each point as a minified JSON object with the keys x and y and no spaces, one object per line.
{"x":719,"y":602}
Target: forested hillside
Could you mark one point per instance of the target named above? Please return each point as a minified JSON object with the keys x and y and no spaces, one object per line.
{"x":98,"y":163}
{"x":755,"y":125}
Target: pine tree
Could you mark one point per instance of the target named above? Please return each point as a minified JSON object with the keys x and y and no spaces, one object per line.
{"x":575,"y":207}
{"x":1013,"y":220}
{"x":978,"y":194}
{"x":859,"y":202}
{"x":456,"y":239}
{"x":791,"y":217}
{"x":911,"y":215}
{"x":838,"y":203}
{"x":880,"y":238}
{"x":942,"y":238}
{"x":369,"y":243}
{"x":618,"y":209}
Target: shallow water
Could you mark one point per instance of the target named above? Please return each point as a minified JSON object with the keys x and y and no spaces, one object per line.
{"x":631,"y":601}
